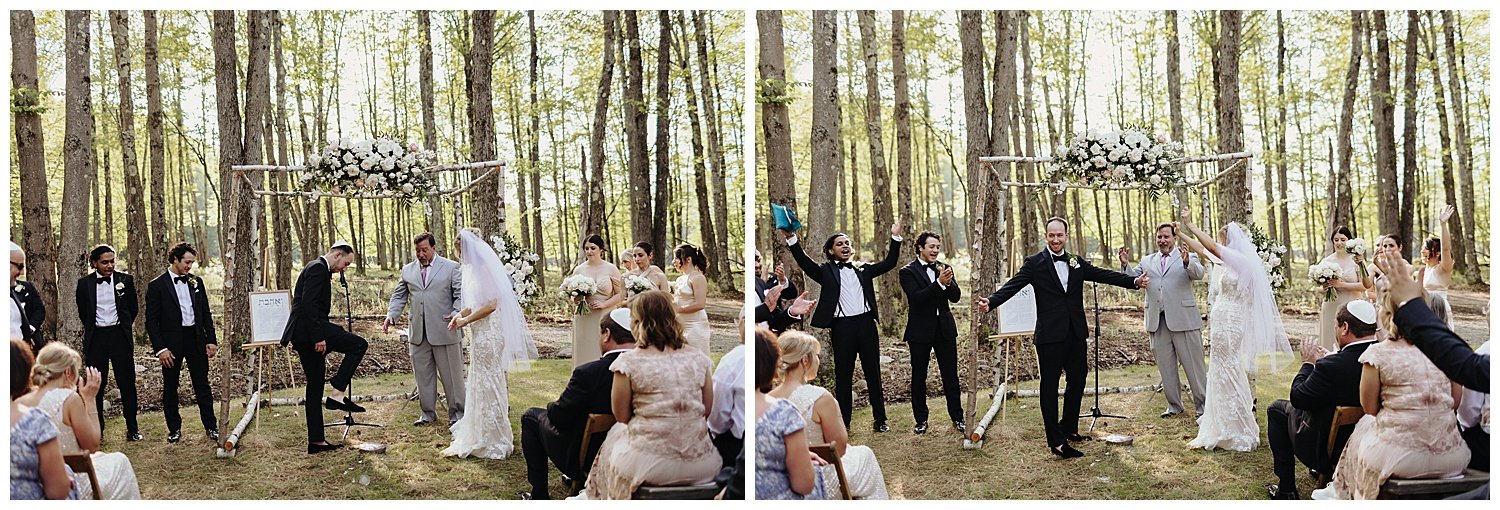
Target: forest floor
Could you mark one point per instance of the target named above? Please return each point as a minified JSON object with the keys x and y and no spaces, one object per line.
{"x":1015,"y":464}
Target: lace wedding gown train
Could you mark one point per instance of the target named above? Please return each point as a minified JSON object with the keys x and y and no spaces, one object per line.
{"x":1227,"y":420}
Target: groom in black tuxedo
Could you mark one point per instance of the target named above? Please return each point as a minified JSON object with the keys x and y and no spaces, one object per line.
{"x":846,"y":306}
{"x":310,"y":333}
{"x":181,"y":328}
{"x":929,"y":287}
{"x":1061,"y":334}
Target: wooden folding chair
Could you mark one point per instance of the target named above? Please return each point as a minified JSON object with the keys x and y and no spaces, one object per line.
{"x":596,"y":423}
{"x":829,"y":453}
{"x":83,"y":463}
{"x":653,"y":492}
{"x":1343,"y":416}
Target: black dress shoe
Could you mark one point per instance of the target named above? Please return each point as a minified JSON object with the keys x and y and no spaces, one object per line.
{"x":524,"y":495}
{"x":342,"y":405}
{"x":1064,"y":451}
{"x":921,"y":428}
{"x":213,"y":434}
{"x":1275,"y":492}
{"x":320,"y":448}
{"x":880,"y":426}
{"x":1077,"y":438}
{"x":959,"y":426}
{"x":133,"y":436}
{"x":174,"y":436}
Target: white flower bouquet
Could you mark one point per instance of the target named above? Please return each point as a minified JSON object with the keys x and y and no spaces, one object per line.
{"x":1322,"y":273}
{"x":371,"y":167}
{"x":1128,"y":156}
{"x":1270,"y":253}
{"x":519,"y":263}
{"x":1361,"y":248}
{"x":637,"y":284}
{"x":578,"y":287}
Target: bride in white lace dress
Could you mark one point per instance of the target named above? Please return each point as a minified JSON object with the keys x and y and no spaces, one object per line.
{"x":499,"y":341}
{"x":1243,"y":324}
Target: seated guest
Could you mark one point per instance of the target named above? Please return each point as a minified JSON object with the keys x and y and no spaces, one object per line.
{"x":800,"y":358}
{"x":1474,"y":422}
{"x":784,"y":468}
{"x":771,"y":291}
{"x":37,"y":470}
{"x":552,"y":433}
{"x":727,"y":422}
{"x":1408,"y":430}
{"x":1297,"y":429}
{"x":661,"y":395}
{"x":58,"y":393}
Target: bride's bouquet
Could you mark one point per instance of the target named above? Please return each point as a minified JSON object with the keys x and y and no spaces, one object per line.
{"x":1129,"y":156}
{"x":579,"y":287}
{"x":1361,"y":248}
{"x":637,"y":284}
{"x":1322,"y":273}
{"x":371,"y":167}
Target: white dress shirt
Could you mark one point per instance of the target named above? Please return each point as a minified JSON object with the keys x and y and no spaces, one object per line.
{"x":932,"y":276}
{"x":1474,"y":409}
{"x":105,"y":313}
{"x":1062,"y":269}
{"x":184,"y":299}
{"x":15,"y":319}
{"x":729,"y":394}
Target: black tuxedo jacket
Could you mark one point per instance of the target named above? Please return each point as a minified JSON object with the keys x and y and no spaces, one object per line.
{"x":126,"y":303}
{"x":1059,"y":313}
{"x":827,"y":275}
{"x":308,"y":323}
{"x":779,"y":320}
{"x":1321,"y":387}
{"x":588,"y":392}
{"x":929,"y":318}
{"x":1450,"y":353}
{"x":164,"y":315}
{"x":34,"y":310}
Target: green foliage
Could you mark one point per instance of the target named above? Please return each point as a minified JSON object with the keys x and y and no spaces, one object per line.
{"x":24,"y":100}
{"x":772,"y":91}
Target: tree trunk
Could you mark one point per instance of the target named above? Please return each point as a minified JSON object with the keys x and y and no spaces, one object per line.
{"x":773,"y":97}
{"x":435,"y":215}
{"x":715,"y":149}
{"x":825,"y":140}
{"x":1464,"y":154}
{"x":1409,"y":136}
{"x":1234,"y":190}
{"x":902,"y":113}
{"x":1286,"y":215}
{"x":31,"y":164}
{"x":537,"y":242}
{"x":480,"y":64}
{"x":706,"y":219}
{"x":663,"y":129}
{"x":982,"y":278}
{"x":280,"y":212}
{"x":78,"y":170}
{"x":1440,"y":100}
{"x":156,"y":146}
{"x":880,"y":178}
{"x":1383,"y":109}
{"x":1342,"y":211}
{"x":140,"y":253}
{"x":1029,"y":216}
{"x":1174,"y":76}
{"x":593,"y":218}
{"x":635,"y":136}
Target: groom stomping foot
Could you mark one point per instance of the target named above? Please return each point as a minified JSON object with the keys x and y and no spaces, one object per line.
{"x":313,"y":337}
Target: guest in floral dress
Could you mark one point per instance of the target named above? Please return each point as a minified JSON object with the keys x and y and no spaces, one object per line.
{"x":784,"y":468}
{"x":37,"y":470}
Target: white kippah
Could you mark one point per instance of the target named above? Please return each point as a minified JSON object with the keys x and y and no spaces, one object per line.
{"x":1362,"y":310}
{"x":621,"y":316}
{"x":15,"y":247}
{"x":346,"y":244}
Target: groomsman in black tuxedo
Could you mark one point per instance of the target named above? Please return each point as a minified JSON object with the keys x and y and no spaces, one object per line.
{"x":846,"y":306}
{"x":929,"y":287}
{"x":310,"y":333}
{"x":107,"y":305}
{"x":1061,"y":335}
{"x":1297,"y":429}
{"x":181,"y":328}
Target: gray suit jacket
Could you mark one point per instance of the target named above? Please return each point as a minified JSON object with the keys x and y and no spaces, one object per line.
{"x":430,"y":302}
{"x":1171,"y":291}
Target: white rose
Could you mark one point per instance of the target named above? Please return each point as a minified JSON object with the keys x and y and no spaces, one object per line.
{"x":348,"y":158}
{"x":406,"y":188}
{"x":313,"y":161}
{"x":1155,"y":179}
{"x":1099,"y":161}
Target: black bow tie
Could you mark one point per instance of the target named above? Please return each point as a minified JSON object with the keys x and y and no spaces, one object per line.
{"x":102,"y":280}
{"x":932,"y":267}
{"x":844,"y":264}
{"x":183,"y":278}
{"x":1060,"y":258}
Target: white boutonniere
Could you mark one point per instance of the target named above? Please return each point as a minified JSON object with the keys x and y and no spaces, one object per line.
{"x":120,"y":286}
{"x":1073,"y":262}
{"x":20,"y":289}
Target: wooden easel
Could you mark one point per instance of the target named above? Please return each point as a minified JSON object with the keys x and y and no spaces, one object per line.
{"x":1007,"y":354}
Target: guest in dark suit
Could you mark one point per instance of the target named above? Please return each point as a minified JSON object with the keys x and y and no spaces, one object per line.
{"x":769,"y":313}
{"x":107,"y":306}
{"x":1297,"y":429}
{"x":181,"y":328}
{"x":929,"y":287}
{"x":310,"y":333}
{"x":846,"y":306}
{"x":553,"y":433}
{"x":30,"y":311}
{"x":1061,"y":334}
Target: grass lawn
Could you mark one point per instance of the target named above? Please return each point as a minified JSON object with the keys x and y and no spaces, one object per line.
{"x":1015,"y":464}
{"x":273,"y":462}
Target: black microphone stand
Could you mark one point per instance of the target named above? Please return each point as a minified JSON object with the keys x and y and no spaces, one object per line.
{"x":1096,"y":412}
{"x":348,"y":422}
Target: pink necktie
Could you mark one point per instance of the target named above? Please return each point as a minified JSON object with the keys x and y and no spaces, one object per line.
{"x":424,"y":275}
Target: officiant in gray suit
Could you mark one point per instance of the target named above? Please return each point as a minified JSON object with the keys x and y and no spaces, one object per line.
{"x":431,"y":283}
{"x":1172,"y":316}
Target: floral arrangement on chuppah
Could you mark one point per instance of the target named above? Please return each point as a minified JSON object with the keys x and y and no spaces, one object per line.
{"x":1110,"y":158}
{"x":372,"y":167}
